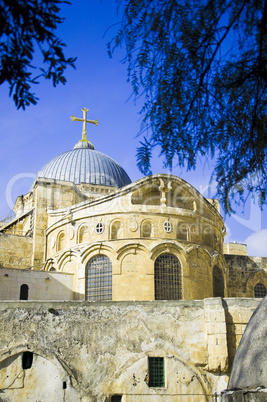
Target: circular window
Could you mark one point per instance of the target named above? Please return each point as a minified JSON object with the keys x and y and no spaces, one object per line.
{"x":167,"y":226}
{"x":99,"y":228}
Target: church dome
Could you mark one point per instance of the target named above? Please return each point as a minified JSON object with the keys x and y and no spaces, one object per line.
{"x":85,"y":165}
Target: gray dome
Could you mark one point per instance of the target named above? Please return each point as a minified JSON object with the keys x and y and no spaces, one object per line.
{"x":85,"y":165}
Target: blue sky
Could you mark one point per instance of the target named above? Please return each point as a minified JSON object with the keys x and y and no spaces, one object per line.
{"x":30,"y":138}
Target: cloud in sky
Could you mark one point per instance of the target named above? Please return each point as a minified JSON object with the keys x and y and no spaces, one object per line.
{"x":257,"y":243}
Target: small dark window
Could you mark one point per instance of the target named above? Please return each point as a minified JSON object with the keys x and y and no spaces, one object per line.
{"x":64,"y":385}
{"x":24,"y":292}
{"x":116,"y":398}
{"x":99,"y":228}
{"x":167,"y":226}
{"x":27,"y":360}
{"x":156,"y":372}
{"x":260,"y":290}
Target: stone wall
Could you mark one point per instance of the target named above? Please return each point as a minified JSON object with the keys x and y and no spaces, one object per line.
{"x":91,"y":351}
{"x":244,"y":273}
{"x":49,"y":194}
{"x":15,"y":251}
{"x":244,"y":395}
{"x":41,"y":285}
{"x":235,"y":248}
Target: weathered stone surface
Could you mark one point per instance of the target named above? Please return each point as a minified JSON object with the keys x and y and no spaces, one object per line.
{"x":244,"y":395}
{"x":101,"y":349}
{"x":244,"y":273}
{"x":15,"y":251}
{"x":250,"y":362}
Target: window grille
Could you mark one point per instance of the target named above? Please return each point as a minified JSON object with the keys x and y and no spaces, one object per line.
{"x":99,"y":228}
{"x":260,"y":290}
{"x":167,"y":226}
{"x":156,"y":372}
{"x":168,"y":281}
{"x":99,"y":279}
{"x":218,"y":282}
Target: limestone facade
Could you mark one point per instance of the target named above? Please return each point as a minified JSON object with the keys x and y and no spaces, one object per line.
{"x":95,"y":351}
{"x":156,"y":216}
{"x":63,"y":227}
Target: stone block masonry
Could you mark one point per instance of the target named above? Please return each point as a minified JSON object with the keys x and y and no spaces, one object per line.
{"x":90,"y":351}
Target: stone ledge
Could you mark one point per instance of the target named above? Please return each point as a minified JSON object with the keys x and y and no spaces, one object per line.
{"x":258,"y":394}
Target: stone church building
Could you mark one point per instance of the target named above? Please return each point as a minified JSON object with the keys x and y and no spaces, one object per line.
{"x":119,"y":291}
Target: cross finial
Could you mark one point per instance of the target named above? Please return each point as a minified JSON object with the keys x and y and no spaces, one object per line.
{"x":84,"y":120}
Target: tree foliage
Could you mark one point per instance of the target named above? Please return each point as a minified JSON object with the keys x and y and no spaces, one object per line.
{"x":26,"y":26}
{"x":200,"y":66}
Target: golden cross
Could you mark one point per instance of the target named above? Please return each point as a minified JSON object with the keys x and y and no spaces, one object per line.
{"x":84,"y":120}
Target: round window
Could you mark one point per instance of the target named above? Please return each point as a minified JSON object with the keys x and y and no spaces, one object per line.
{"x":99,"y":228}
{"x":167,"y":226}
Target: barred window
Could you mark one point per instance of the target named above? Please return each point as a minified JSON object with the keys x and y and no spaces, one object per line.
{"x":99,"y":279}
{"x":156,"y":372}
{"x":168,"y":282}
{"x":218,"y":282}
{"x":260,"y":290}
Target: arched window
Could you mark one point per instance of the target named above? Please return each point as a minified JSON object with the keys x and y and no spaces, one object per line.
{"x":99,"y":279}
{"x":146,"y":229}
{"x":182,"y":231}
{"x":24,"y":292}
{"x":61,"y":241}
{"x":195,"y":233}
{"x":207,"y":235}
{"x":218,"y":282}
{"x":116,"y":230}
{"x":83,"y":234}
{"x":260,"y":290}
{"x":168,"y":281}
